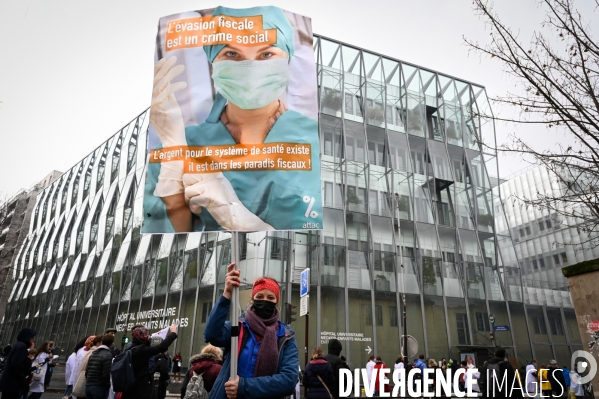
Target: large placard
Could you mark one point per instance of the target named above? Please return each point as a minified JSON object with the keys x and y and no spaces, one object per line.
{"x":233,"y":138}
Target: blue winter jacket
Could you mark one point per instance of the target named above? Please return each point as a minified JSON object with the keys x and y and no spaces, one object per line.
{"x":218,"y":333}
{"x":421,"y":365}
{"x":566,"y":373}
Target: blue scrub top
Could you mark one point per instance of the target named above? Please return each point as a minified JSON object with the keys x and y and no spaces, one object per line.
{"x":275,"y":196}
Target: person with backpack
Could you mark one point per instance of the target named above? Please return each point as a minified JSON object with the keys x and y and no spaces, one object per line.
{"x":318,"y":376}
{"x":17,"y":366}
{"x":500,"y":367}
{"x":160,"y":367}
{"x":202,"y":374}
{"x":334,"y":350}
{"x":268,"y":357}
{"x":130,"y":373}
{"x":97,"y":372}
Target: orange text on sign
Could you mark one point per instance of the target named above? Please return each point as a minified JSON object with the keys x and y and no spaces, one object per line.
{"x":238,"y":157}
{"x":218,"y":29}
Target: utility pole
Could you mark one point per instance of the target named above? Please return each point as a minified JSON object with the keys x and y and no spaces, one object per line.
{"x":405,"y":332}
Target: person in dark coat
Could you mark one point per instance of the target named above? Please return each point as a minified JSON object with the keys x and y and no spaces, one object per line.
{"x":177,"y":359}
{"x":17,"y":367}
{"x":208,"y":363}
{"x":97,"y":373}
{"x":318,"y":388}
{"x":556,"y":378}
{"x":160,"y":367}
{"x":336,"y":363}
{"x":5,"y":353}
{"x":505,"y":368}
{"x":142,"y":351}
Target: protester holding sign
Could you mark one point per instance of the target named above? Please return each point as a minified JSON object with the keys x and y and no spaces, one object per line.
{"x":141,"y":353}
{"x":268,"y":356}
{"x":253,"y":163}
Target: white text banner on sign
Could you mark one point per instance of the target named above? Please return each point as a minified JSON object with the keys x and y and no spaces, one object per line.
{"x":304,"y":305}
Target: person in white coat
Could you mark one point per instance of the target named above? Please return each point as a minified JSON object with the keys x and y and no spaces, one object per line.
{"x":532,"y":383}
{"x":399,"y":365}
{"x":575,"y":386}
{"x":69,"y":369}
{"x":67,"y":373}
{"x":81,"y":354}
{"x":36,"y":388}
{"x":370,"y":367}
{"x":474,"y":376}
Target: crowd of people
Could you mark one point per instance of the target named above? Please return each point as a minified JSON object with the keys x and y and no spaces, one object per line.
{"x":546,"y":380}
{"x":267,"y":361}
{"x":552,"y":380}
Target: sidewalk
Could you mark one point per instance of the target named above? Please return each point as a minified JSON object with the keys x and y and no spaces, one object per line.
{"x":58,"y":385}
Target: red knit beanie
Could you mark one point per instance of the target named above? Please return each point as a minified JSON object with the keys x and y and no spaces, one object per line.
{"x":264,"y":283}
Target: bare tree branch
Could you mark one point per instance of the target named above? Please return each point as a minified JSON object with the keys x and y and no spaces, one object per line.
{"x":559,"y":88}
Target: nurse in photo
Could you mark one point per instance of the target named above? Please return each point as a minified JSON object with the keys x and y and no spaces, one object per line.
{"x":247,"y":109}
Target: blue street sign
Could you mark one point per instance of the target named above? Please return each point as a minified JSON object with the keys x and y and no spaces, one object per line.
{"x":305,"y":283}
{"x":501,"y":328}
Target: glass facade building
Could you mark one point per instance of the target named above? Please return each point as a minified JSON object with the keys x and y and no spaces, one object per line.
{"x":545,"y":242}
{"x":411,"y":205}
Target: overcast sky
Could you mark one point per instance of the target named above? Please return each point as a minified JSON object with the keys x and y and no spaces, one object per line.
{"x":73,"y":72}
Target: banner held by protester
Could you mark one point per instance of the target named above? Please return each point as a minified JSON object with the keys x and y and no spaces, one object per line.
{"x":233,"y":138}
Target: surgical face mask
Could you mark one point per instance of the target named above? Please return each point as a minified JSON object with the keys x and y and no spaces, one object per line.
{"x":251,"y":84}
{"x":264,"y":309}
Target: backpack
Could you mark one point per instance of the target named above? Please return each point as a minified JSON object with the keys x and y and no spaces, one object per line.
{"x":463,"y":375}
{"x":195,"y":387}
{"x":121,"y":372}
{"x":496,"y":370}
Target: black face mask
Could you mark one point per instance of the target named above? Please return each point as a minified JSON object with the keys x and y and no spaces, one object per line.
{"x":264,"y":309}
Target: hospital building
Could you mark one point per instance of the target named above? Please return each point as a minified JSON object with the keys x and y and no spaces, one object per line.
{"x":412,"y":206}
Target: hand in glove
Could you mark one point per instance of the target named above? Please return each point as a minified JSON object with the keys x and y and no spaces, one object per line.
{"x":165,"y":114}
{"x":167,"y":121}
{"x":214,"y":192}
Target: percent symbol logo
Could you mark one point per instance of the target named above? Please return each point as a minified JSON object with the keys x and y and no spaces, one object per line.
{"x":309,"y":212}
